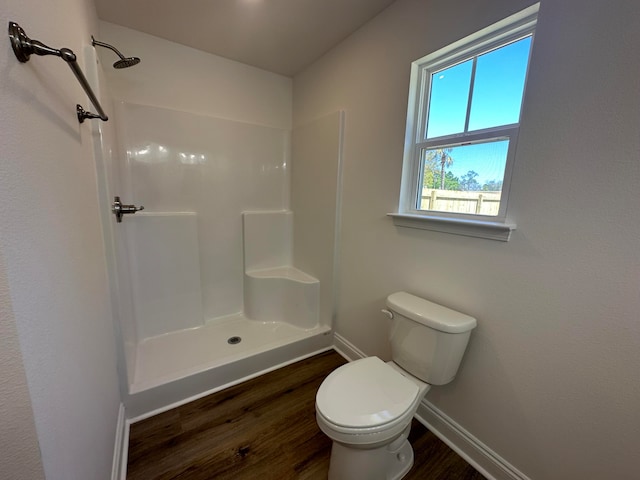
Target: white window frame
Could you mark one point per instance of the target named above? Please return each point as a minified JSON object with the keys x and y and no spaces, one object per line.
{"x":511,"y":29}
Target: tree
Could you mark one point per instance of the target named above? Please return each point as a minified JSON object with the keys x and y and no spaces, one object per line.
{"x":492,"y":186}
{"x":437,"y":157}
{"x":451,"y":182}
{"x":446,"y":160}
{"x":429,"y":170}
{"x":469,"y":183}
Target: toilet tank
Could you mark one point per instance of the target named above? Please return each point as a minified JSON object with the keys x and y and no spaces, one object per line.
{"x":427,"y":339}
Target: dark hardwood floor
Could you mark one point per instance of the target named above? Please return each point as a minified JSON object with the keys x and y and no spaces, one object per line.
{"x":264,"y":428}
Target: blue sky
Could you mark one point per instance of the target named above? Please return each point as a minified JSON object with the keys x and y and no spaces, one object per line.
{"x":497,"y":97}
{"x":491,"y":167}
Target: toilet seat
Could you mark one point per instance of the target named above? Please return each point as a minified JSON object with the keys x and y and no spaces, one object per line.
{"x":366,"y":401}
{"x":365,"y":393}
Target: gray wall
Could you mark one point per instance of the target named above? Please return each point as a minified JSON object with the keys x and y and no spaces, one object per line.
{"x":549,"y":381}
{"x":53,"y":287}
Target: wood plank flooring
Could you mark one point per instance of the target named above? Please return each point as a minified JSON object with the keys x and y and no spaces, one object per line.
{"x":264,"y":428}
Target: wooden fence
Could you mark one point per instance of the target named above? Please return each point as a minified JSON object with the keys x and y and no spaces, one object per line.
{"x":479,"y":203}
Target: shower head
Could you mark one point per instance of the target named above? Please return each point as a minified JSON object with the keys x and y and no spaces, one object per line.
{"x":124,"y":62}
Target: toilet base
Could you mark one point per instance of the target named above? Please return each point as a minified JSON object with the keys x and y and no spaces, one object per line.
{"x":387,"y":462}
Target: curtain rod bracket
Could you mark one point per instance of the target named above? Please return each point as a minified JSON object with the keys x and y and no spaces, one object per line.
{"x":23,"y":47}
{"x":83,"y":114}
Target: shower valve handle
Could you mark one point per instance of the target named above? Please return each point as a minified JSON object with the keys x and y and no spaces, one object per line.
{"x":119,"y":209}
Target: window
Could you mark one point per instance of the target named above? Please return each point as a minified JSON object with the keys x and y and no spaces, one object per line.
{"x":462,"y":127}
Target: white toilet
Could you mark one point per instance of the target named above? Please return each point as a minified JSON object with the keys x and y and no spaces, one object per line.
{"x":366,"y":406}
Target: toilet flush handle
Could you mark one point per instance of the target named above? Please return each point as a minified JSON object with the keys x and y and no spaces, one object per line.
{"x":388,"y":313}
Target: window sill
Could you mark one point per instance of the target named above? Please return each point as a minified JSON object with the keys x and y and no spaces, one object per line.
{"x":457,"y":226}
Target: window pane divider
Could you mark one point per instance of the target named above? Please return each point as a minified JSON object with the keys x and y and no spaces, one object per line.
{"x":470,"y":97}
{"x":470,"y":137}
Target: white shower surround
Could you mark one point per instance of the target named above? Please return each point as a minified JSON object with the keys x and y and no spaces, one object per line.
{"x":274,"y":290}
{"x":223,"y":91}
{"x":182,"y":262}
{"x":178,"y":163}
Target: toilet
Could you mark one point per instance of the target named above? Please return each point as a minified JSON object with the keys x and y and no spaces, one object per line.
{"x":366,"y":406}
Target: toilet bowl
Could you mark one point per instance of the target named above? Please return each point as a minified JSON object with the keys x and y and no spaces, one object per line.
{"x":366,"y":406}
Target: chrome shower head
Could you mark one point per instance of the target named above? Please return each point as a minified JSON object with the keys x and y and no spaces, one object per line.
{"x":124,"y":62}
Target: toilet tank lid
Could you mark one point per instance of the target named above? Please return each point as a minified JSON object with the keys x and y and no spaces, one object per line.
{"x":430,"y":314}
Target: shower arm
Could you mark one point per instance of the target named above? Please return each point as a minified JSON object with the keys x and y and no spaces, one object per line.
{"x":23,"y":47}
{"x":95,"y":42}
{"x":124,"y":62}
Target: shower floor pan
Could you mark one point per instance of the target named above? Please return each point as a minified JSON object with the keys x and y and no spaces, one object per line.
{"x":180,"y":366}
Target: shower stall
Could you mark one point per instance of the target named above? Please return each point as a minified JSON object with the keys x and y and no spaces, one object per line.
{"x":229,"y":269}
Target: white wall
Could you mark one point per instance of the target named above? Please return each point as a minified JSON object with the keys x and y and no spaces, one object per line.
{"x":20,"y":457}
{"x":549,"y":381}
{"x":182,"y":78}
{"x":54,"y":287}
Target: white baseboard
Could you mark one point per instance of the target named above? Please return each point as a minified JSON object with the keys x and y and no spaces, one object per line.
{"x":476,"y":453}
{"x":121,"y":447}
{"x":347,"y":349}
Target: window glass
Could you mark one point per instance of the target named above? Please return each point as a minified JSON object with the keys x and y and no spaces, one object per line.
{"x":498,"y":85}
{"x":463,"y":179}
{"x":448,"y":100}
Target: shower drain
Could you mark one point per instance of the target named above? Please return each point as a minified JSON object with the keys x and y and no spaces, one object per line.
{"x":234,"y":340}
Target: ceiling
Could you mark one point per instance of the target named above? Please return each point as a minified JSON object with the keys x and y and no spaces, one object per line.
{"x":282,"y":36}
